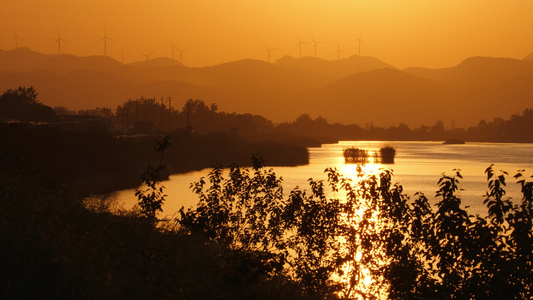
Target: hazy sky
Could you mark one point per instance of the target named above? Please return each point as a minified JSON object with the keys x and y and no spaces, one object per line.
{"x":404,"y":33}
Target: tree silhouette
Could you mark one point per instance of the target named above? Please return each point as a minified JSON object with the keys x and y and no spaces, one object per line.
{"x":151,"y":199}
{"x":332,"y":246}
{"x":21,"y":104}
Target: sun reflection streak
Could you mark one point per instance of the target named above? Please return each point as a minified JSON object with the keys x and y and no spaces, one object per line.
{"x":361,"y":224}
{"x":360,"y":241}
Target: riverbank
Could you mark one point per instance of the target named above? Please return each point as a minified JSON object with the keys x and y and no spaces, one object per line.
{"x":90,"y":162}
{"x":53,"y":247}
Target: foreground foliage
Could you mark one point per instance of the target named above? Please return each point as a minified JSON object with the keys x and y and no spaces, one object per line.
{"x":53,"y":246}
{"x":365,"y":239}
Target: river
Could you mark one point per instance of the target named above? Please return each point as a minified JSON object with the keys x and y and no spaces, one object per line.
{"x":418,"y":167}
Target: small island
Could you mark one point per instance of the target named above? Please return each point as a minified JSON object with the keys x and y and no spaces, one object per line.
{"x":353,"y":155}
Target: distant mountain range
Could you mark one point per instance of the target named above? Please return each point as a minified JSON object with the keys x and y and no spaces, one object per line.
{"x":355,"y":90}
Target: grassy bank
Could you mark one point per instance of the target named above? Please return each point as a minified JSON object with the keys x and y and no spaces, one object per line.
{"x":95,"y":162}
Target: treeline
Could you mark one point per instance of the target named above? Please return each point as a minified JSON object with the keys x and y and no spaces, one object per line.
{"x":200,"y":117}
{"x":519,"y":128}
{"x":158,"y":116}
{"x":151,"y":115}
{"x":93,"y":159}
{"x":21,"y":104}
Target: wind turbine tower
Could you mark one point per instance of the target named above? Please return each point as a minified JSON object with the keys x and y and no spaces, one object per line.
{"x":147,"y":55}
{"x":300,"y":45}
{"x":339,"y":50}
{"x":16,"y":39}
{"x":172,"y":48}
{"x":59,"y":40}
{"x":315,"y":43}
{"x":269,"y":50}
{"x":105,"y":39}
{"x":360,"y":41}
{"x":181,"y":54}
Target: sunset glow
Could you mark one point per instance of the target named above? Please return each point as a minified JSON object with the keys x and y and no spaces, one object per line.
{"x":284,"y":149}
{"x":402,"y":33}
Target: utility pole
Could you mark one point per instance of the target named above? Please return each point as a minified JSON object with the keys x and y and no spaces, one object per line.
{"x":153,"y":108}
{"x":161,"y":111}
{"x":169,"y":113}
{"x":123,"y":130}
{"x":128,"y":120}
{"x":188,"y":114}
{"x":145,"y":110}
{"x":137,"y":110}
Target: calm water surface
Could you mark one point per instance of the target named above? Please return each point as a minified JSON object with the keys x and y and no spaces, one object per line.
{"x":418,"y":166}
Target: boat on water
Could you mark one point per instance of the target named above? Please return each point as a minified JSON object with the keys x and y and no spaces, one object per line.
{"x":454,"y":141}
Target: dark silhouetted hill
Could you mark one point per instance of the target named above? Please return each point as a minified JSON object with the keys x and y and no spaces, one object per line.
{"x":476,"y":71}
{"x":20,"y":60}
{"x":65,"y":63}
{"x":529,"y":57}
{"x":353,"y":90}
{"x":437,"y":75}
{"x":497,"y":98}
{"x":249,"y":74}
{"x":383,"y":97}
{"x":157,"y":62}
{"x":336,"y":69}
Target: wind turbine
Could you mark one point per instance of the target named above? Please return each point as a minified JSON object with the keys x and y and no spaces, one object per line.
{"x":16,"y":39}
{"x":105,"y":39}
{"x":173,"y":46}
{"x":269,"y":50}
{"x":300,"y":45}
{"x":339,"y":50}
{"x":147,"y":55}
{"x":360,"y":41}
{"x":315,"y":43}
{"x":59,"y":40}
{"x":181,"y":54}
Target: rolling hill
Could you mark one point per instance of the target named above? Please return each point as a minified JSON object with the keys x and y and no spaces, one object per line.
{"x":336,"y":69}
{"x":360,"y":90}
{"x":382,"y":97}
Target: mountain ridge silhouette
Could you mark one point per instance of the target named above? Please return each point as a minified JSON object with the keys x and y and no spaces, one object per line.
{"x":351,"y":90}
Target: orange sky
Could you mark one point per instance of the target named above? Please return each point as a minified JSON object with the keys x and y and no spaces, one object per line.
{"x":404,"y":33}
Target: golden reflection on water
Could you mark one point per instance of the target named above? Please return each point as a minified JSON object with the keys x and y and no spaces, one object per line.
{"x":418,"y":166}
{"x":356,"y":277}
